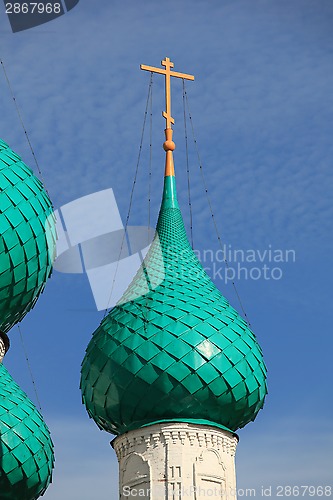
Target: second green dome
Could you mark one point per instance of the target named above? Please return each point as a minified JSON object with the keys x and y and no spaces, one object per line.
{"x":27,"y":241}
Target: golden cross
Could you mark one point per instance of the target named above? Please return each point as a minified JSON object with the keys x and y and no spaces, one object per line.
{"x":168,"y":73}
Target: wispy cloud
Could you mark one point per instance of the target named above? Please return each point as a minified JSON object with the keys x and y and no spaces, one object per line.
{"x":260,"y":104}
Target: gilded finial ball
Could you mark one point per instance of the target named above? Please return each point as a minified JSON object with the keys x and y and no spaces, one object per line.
{"x":169,"y":146}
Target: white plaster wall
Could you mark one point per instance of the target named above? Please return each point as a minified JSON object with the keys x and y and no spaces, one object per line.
{"x":177,"y":461}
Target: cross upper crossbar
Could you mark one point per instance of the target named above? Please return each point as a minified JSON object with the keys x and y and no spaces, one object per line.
{"x":168,"y":74}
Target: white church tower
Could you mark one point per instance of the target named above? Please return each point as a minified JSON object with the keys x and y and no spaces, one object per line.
{"x":177,"y":459}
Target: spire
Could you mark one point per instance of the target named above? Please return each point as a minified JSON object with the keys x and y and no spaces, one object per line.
{"x":173,"y":370}
{"x":168,"y":146}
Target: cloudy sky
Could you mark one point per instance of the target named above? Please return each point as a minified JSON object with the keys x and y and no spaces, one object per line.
{"x":262,"y":108}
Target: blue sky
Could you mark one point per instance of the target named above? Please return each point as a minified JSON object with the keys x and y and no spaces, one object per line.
{"x":262,"y":106}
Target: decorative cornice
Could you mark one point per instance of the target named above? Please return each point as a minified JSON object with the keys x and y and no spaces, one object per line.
{"x":148,"y":438}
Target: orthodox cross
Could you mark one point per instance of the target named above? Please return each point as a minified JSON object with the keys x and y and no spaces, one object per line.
{"x":168,"y":74}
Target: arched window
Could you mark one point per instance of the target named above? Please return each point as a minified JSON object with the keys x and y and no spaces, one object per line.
{"x":135,"y":478}
{"x":209,"y":476}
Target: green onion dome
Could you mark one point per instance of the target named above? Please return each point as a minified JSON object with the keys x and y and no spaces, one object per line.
{"x":173,"y":348}
{"x":27,"y":238}
{"x":26,"y":449}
